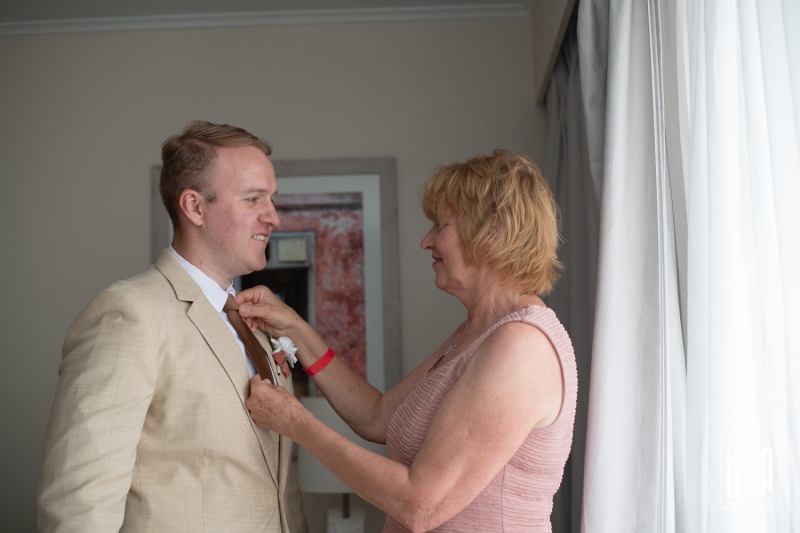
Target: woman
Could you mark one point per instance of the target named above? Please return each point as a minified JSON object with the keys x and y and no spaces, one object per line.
{"x":479,"y":433}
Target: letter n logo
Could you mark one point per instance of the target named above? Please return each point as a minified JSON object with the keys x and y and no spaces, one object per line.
{"x":748,"y":473}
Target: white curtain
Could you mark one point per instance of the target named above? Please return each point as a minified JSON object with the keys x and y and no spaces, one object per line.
{"x":634,"y":437}
{"x":742,"y":135}
{"x":692,"y":114}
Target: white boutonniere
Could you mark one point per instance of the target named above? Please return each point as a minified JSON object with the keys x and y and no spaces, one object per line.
{"x":285,"y":345}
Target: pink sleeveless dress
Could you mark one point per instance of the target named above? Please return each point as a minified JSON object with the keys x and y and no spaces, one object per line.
{"x":520,"y":497}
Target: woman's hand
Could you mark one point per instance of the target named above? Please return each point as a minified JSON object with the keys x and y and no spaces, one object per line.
{"x":261,"y":309}
{"x":274,"y":407}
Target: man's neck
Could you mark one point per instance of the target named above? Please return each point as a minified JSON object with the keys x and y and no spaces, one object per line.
{"x":196,"y":257}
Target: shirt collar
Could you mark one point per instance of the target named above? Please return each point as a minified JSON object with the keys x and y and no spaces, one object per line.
{"x":211,"y":289}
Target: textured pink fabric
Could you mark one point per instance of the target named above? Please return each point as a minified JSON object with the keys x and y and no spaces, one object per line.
{"x":520,"y":497}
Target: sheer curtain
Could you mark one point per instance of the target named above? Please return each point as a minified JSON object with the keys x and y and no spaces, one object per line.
{"x":692,"y":115}
{"x":743,"y":181}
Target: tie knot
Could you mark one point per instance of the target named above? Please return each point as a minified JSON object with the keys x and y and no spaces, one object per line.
{"x":230,"y":304}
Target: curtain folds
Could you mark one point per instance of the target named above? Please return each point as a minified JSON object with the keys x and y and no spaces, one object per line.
{"x":743,"y":341}
{"x":637,"y":361}
{"x":567,"y":171}
{"x":692,"y":117}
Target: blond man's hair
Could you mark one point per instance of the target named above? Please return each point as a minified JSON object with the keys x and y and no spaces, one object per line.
{"x":187,"y":157}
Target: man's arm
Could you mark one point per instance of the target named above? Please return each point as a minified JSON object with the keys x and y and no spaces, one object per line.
{"x":106,"y":383}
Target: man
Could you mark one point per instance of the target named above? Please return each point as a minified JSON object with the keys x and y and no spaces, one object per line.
{"x":149,"y":429}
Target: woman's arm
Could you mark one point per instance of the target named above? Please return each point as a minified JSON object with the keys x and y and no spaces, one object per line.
{"x":365,"y":409}
{"x":512,"y":385}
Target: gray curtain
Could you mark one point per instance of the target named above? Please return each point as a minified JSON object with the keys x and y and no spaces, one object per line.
{"x":573,"y":300}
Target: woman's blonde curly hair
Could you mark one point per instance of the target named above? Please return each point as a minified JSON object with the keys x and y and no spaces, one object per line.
{"x":506,"y":216}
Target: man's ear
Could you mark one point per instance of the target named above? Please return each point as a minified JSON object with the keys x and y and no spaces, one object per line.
{"x":193,"y":206}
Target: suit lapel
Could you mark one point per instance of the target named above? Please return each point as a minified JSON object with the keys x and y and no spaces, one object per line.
{"x":286,"y":445}
{"x":223,"y":345}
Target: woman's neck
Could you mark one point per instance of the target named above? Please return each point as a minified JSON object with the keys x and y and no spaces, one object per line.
{"x":491,"y":305}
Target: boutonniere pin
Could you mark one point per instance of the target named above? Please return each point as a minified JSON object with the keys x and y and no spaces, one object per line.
{"x":283,"y":351}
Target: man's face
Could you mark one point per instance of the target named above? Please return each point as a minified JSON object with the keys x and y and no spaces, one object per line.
{"x":238,"y":223}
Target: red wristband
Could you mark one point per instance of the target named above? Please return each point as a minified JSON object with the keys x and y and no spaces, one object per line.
{"x":321,"y":363}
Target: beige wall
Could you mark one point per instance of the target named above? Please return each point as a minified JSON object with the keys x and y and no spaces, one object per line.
{"x":82,"y":117}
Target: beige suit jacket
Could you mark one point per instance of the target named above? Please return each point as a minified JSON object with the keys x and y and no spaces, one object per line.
{"x":149,"y":429}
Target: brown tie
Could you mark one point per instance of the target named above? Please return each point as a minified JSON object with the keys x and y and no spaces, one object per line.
{"x":254,"y":350}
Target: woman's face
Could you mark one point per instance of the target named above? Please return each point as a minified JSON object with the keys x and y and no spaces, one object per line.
{"x":447,"y":250}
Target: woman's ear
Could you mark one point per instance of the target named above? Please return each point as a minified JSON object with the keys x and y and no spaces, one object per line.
{"x":193,"y":206}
